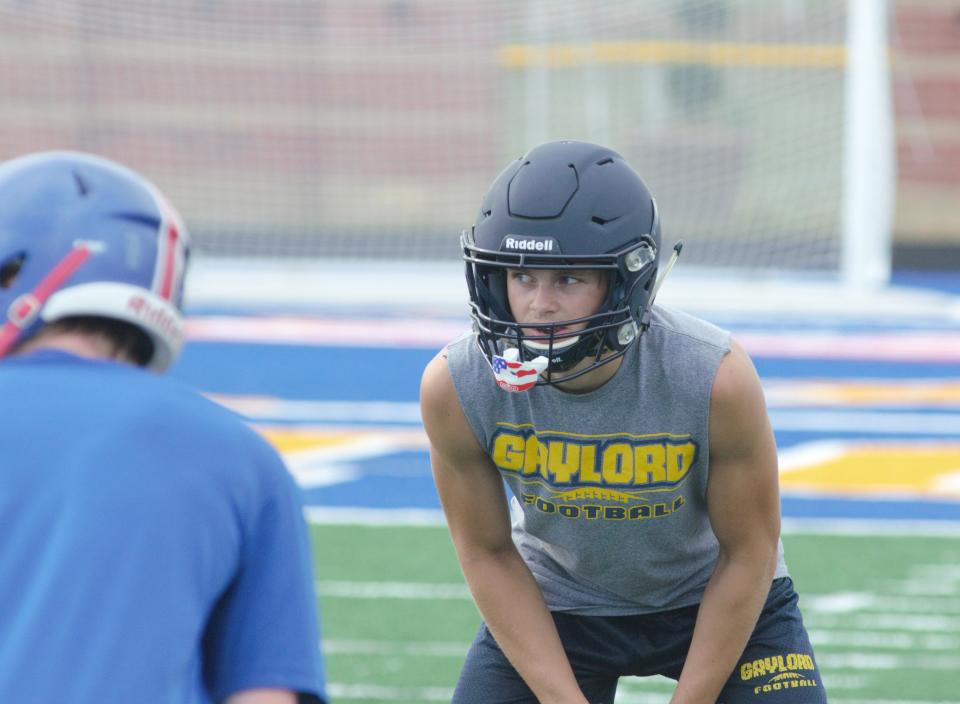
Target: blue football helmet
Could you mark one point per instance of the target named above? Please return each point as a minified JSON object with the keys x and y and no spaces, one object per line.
{"x":83,"y":236}
{"x":564,"y":205}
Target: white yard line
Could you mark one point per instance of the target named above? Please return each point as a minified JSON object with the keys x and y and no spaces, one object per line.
{"x":263,"y":408}
{"x":862,"y":527}
{"x":393,"y":590}
{"x":881,"y":640}
{"x":925,"y":605}
{"x":381,"y":517}
{"x":440,"y":649}
{"x":944,"y":602}
{"x":339,"y":691}
{"x":820,"y":606}
{"x":887,"y":661}
{"x":882,"y":622}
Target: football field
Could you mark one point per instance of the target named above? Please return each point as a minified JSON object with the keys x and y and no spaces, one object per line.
{"x":867,"y":419}
{"x":883,"y":612}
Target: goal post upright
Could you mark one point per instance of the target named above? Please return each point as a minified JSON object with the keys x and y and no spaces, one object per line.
{"x":869,"y":163}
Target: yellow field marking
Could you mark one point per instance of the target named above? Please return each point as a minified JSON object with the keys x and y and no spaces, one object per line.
{"x":799,"y":56}
{"x":874,"y":393}
{"x":292,"y":440}
{"x":867,"y":469}
{"x":362,"y":442}
{"x":877,"y":469}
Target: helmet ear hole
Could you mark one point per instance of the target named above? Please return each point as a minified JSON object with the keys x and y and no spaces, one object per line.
{"x":10,"y":268}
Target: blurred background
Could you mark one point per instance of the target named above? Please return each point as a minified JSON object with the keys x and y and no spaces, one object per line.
{"x":325,"y":155}
{"x":370,"y":128}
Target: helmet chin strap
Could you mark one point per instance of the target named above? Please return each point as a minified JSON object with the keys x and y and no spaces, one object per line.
{"x":24,"y":310}
{"x":546,"y":347}
{"x":562,"y":359}
{"x":645,"y":317}
{"x":677,"y":248}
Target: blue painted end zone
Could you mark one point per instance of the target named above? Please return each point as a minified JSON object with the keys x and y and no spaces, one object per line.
{"x":851,"y":369}
{"x":304,"y":372}
{"x":946,"y":281}
{"x":402,"y":480}
{"x":828,"y":507}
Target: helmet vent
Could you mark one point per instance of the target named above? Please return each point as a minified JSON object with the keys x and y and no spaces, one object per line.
{"x":10,"y":269}
{"x":82,"y":187}
{"x":602,"y":221}
{"x":608,"y":160}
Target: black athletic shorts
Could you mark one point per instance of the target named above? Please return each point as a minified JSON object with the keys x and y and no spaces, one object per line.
{"x":777,"y":666}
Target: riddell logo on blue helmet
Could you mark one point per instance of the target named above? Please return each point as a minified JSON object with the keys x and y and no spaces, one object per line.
{"x":516,"y":243}
{"x":156,"y":316}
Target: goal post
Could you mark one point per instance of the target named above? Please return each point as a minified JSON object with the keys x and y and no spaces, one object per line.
{"x":869,"y":184}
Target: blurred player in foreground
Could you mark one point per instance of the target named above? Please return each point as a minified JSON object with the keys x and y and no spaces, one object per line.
{"x":636,"y":442}
{"x":153,"y":547}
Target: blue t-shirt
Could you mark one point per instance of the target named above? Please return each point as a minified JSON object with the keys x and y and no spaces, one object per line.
{"x":152,"y":546}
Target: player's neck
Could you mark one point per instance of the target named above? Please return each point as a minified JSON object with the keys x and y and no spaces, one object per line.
{"x":75,"y":343}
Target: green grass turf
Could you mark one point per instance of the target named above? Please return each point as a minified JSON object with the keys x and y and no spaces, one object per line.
{"x":904,"y":648}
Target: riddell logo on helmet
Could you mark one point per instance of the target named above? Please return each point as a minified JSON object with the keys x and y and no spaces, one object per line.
{"x":154,"y":315}
{"x":529,"y":244}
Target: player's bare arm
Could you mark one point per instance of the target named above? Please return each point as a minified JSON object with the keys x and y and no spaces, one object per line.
{"x":744,"y":509}
{"x":471,"y":492}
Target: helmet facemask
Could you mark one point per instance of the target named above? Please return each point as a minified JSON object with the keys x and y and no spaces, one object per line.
{"x":605,"y":334}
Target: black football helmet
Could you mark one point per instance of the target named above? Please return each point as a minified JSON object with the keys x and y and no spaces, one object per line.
{"x":564,"y":205}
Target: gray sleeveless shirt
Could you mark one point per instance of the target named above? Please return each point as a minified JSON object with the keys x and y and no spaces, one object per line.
{"x":609,"y":486}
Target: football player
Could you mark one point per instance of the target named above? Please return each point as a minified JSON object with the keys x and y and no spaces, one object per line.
{"x":644,"y":536}
{"x":153,"y":545}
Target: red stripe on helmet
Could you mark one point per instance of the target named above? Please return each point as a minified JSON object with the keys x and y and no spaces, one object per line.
{"x":25,"y":308}
{"x":169,"y":262}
